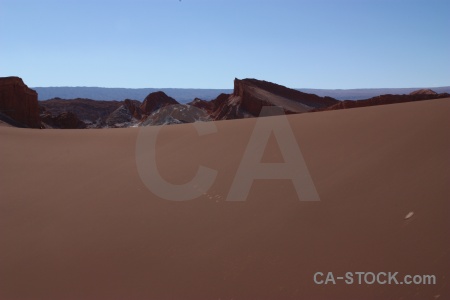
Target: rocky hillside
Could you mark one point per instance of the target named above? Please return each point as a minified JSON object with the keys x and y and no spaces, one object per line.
{"x":87,"y":110}
{"x":19,"y":106}
{"x":65,"y":120}
{"x":19,"y":102}
{"x":176,"y":114}
{"x":99,"y":114}
{"x":250,"y":95}
{"x":128,"y":114}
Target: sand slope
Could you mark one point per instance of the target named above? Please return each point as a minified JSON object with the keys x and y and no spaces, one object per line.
{"x":76,"y":221}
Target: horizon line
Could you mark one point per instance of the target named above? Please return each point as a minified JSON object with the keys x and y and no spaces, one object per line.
{"x":180,"y":88}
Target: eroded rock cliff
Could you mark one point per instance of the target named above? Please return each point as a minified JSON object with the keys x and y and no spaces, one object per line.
{"x":250,"y":95}
{"x":19,"y":102}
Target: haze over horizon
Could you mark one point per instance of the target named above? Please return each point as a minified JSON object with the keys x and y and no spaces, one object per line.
{"x":325,"y":44}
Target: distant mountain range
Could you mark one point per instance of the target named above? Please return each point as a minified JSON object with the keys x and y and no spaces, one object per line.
{"x":99,"y":93}
{"x":187,"y":95}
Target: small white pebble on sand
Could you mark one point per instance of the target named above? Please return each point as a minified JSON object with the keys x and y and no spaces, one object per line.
{"x":409,"y":215}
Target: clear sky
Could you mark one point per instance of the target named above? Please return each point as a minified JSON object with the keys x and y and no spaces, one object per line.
{"x":207,"y":43}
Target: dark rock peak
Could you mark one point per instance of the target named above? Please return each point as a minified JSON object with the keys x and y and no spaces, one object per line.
{"x":423,"y":92}
{"x":196,"y":100}
{"x":155,"y":101}
{"x":129,"y":102}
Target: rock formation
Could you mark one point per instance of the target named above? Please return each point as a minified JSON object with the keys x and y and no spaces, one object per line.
{"x":207,"y":106}
{"x":19,"y":102}
{"x":19,"y":106}
{"x":128,"y":114}
{"x":87,"y":110}
{"x":155,"y":101}
{"x":65,"y":120}
{"x":250,"y":95}
{"x":133,"y":107}
{"x":177,"y":114}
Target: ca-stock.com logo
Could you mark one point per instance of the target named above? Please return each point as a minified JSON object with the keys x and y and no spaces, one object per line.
{"x":250,"y":168}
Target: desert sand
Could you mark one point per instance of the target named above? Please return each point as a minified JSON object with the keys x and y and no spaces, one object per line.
{"x":77,"y":222}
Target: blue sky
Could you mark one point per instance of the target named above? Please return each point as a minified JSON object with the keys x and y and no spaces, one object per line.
{"x":207,"y":43}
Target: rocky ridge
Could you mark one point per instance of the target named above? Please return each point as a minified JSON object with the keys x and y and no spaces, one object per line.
{"x":65,"y":120}
{"x":19,"y":106}
{"x":250,"y":95}
{"x":386,"y":99}
{"x":93,"y":113}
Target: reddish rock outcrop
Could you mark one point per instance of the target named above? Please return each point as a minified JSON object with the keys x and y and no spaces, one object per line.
{"x":155,"y":101}
{"x":207,"y":106}
{"x":19,"y":102}
{"x":217,"y":105}
{"x":133,"y":107}
{"x":65,"y":120}
{"x":250,"y":95}
{"x":310,"y":100}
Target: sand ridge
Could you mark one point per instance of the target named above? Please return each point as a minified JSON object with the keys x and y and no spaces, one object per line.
{"x":76,"y":221}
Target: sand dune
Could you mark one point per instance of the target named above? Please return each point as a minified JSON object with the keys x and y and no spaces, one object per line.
{"x":77,"y":222}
